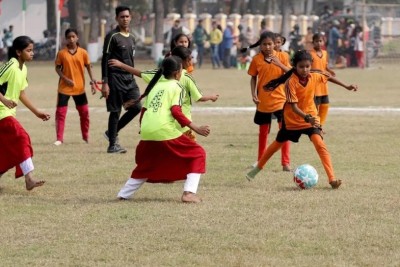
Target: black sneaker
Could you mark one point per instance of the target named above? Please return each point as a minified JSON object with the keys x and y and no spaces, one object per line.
{"x":117,"y":149}
{"x":108,"y":139}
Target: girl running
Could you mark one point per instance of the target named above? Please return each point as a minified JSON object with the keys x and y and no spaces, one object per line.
{"x":192,"y":92}
{"x":300,"y":116}
{"x":70,"y":64}
{"x":164,"y":154}
{"x":320,"y":63}
{"x":266,"y":66}
{"x":16,"y":149}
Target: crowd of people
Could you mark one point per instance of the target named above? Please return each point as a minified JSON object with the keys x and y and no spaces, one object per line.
{"x":293,"y":91}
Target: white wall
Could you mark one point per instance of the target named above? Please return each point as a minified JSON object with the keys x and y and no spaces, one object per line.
{"x":35,"y":18}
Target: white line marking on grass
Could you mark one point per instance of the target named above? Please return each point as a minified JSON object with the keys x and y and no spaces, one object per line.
{"x":229,"y":110}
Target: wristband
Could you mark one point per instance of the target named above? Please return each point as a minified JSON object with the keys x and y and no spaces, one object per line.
{"x":307,"y":117}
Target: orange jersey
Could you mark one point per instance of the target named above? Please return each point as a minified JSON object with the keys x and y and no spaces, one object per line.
{"x":73,"y":66}
{"x":320,"y":63}
{"x":270,"y":101}
{"x":304,"y":97}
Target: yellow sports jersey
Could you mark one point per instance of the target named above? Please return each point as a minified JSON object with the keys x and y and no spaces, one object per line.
{"x":304,"y":97}
{"x":12,"y":81}
{"x":192,"y":93}
{"x":158,"y":124}
{"x":270,"y":101}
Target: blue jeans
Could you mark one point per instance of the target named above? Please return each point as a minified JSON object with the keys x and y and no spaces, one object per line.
{"x":200,"y":55}
{"x":215,"y":56}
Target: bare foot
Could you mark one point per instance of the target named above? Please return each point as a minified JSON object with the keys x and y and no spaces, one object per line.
{"x":30,"y":184}
{"x":189,"y":197}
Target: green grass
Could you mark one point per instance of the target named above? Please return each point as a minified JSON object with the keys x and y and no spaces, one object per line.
{"x":75,"y":219}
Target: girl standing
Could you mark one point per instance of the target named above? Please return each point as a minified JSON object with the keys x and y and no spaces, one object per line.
{"x":192,"y":92}
{"x":320,"y":63}
{"x":266,"y":66}
{"x":70,"y":64}
{"x":300,"y":116}
{"x":16,"y":149}
{"x":164,"y":154}
{"x":184,"y":40}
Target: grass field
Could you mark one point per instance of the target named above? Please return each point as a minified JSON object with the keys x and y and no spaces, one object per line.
{"x":75,"y":219}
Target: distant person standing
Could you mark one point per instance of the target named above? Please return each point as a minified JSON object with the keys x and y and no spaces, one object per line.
{"x":333,"y":42}
{"x":176,"y":29}
{"x":8,"y":39}
{"x":215,"y":40}
{"x":227,"y":44}
{"x":200,"y":36}
{"x":119,"y":86}
{"x":70,"y":65}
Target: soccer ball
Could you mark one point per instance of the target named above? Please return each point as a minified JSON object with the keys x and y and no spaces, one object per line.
{"x":305,"y":176}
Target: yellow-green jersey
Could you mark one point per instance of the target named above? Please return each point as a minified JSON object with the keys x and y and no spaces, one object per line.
{"x":13,"y":80}
{"x":192,"y":92}
{"x":158,"y":124}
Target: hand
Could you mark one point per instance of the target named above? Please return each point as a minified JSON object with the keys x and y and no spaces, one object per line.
{"x":105,"y":90}
{"x":43,"y":116}
{"x":352,"y":87}
{"x":9,"y":103}
{"x":203,"y":130}
{"x":114,"y":63}
{"x":214,"y":98}
{"x":256,"y":100}
{"x":93,"y":89}
{"x":69,"y":82}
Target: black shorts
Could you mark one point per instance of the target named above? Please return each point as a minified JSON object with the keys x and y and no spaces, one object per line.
{"x":261,"y":118}
{"x":123,"y":87}
{"x":321,"y":100}
{"x":80,"y":100}
{"x":294,"y":135}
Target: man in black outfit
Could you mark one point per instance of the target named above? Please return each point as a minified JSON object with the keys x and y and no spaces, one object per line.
{"x":119,"y":86}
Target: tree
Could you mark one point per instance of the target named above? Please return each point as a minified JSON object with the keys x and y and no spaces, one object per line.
{"x":158,"y":40}
{"x":95,"y":15}
{"x":75,"y":20}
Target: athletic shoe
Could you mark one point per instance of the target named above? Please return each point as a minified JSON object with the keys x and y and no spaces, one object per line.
{"x":116,"y":148}
{"x":286,"y":168}
{"x":57,"y":143}
{"x":252,"y":174}
{"x":108,"y":139}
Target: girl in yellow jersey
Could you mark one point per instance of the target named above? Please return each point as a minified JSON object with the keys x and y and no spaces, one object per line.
{"x":164,"y":154}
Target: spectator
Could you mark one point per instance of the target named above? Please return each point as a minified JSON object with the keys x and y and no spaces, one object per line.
{"x":8,"y":39}
{"x":227,"y":44}
{"x":175,"y":30}
{"x":215,"y":40}
{"x":200,"y":36}
{"x":295,"y":39}
{"x":333,"y":42}
{"x":308,"y":39}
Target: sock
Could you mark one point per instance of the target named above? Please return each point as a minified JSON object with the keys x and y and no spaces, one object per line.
{"x":192,"y":182}
{"x":323,"y":155}
{"x":130,"y":187}
{"x":84,"y":118}
{"x":27,"y":166}
{"x":61,"y":114}
{"x":323,"y":113}
{"x":262,"y":139}
{"x":272,"y":148}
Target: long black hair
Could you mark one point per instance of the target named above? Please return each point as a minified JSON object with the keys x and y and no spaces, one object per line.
{"x":176,"y":38}
{"x":19,"y":44}
{"x":169,"y":66}
{"x":183,"y":52}
{"x":300,"y":55}
{"x":263,"y":36}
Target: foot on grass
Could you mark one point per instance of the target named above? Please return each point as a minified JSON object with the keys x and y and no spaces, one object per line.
{"x":252,"y":174}
{"x":335,"y":184}
{"x":189,"y":197}
{"x":286,"y":168}
{"x":30,"y":184}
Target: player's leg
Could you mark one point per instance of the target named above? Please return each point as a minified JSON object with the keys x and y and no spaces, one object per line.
{"x":130,"y":187}
{"x":27,"y":169}
{"x":61,"y":114}
{"x":82,"y":106}
{"x":190,"y":188}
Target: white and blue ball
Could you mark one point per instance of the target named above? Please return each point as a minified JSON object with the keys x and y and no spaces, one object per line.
{"x":305,"y":176}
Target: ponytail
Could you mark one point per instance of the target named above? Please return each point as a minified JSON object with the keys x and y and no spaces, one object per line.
{"x":271,"y":85}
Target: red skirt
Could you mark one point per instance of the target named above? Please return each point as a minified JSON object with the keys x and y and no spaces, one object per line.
{"x":169,"y":160}
{"x":15,"y":145}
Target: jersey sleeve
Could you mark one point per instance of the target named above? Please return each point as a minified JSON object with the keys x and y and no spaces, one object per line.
{"x":179,"y":93}
{"x":148,"y":75}
{"x":5,"y":72}
{"x":290,"y":86}
{"x":253,"y":68}
{"x":191,"y":87}
{"x":58,"y":61}
{"x":86,"y":59}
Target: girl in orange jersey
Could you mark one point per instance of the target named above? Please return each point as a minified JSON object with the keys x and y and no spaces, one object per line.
{"x":300,"y":116}
{"x":320,"y":63}
{"x":266,"y":66}
{"x":279,"y":42}
{"x":70,"y":64}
